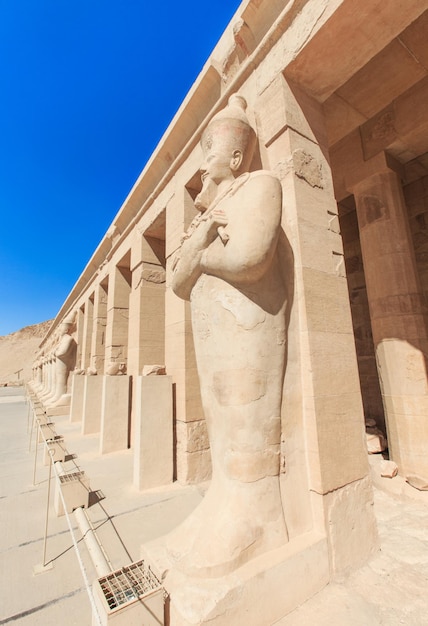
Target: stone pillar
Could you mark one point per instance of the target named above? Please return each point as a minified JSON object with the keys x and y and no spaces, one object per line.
{"x":193,"y":461}
{"x":322,"y":406}
{"x":397,"y":312}
{"x":91,"y":406}
{"x":99,"y":329}
{"x":77,"y":391}
{"x":115,"y":414}
{"x":153,"y":432}
{"x":117,"y":316}
{"x":147,"y":304}
{"x":80,"y":320}
{"x":87,"y":334}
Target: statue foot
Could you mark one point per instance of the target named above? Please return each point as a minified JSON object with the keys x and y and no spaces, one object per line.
{"x":233,"y":524}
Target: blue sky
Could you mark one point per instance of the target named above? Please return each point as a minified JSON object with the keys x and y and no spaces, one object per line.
{"x":88,"y":88}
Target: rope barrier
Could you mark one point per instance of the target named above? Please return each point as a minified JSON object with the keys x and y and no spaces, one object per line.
{"x":70,"y":526}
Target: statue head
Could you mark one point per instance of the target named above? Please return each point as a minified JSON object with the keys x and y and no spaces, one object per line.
{"x":228,"y":145}
{"x":66,"y":325}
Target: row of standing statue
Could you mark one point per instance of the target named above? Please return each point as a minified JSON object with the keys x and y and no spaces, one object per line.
{"x":234,"y":268}
{"x":53,"y":367}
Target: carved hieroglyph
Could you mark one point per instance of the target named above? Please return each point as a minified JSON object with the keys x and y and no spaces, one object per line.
{"x":228,"y":267}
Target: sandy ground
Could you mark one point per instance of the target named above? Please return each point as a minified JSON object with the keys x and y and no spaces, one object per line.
{"x":390,"y":590}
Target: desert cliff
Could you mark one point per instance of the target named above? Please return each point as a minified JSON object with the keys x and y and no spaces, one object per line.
{"x":18,"y":350}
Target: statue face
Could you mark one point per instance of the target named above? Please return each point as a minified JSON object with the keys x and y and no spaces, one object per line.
{"x":217,"y":164}
{"x":222,"y":160}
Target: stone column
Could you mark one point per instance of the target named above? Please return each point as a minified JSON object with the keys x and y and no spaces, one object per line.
{"x":99,"y":329}
{"x":323,"y":422}
{"x":117,"y":316}
{"x":193,"y":461}
{"x":87,"y":334}
{"x":397,"y":312}
{"x":80,"y":320}
{"x":147,"y":305}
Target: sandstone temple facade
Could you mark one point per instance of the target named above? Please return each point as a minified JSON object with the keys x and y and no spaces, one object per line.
{"x":336,"y":94}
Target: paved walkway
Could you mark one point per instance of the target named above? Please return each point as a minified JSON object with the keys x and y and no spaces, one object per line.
{"x":390,"y":590}
{"x":124,"y":520}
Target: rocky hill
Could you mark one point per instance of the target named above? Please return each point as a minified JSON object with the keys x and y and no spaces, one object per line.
{"x":17,"y":352}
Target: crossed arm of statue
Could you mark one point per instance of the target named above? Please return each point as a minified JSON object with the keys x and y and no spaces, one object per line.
{"x":251,"y":230}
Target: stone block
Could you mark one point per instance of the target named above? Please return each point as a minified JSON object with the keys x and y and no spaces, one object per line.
{"x":192,"y":436}
{"x":92,"y":401}
{"x":339,"y":427}
{"x":153,"y":432}
{"x":282,"y":104}
{"x":388,"y":469}
{"x":351,"y":526}
{"x":260,"y":592}
{"x":193,"y":467}
{"x":114,"y":414}
{"x":77,"y":391}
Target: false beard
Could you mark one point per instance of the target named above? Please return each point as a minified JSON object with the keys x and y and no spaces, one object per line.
{"x":207,"y":195}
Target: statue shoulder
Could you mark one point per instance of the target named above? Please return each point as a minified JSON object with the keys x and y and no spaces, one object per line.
{"x":265,"y":178}
{"x":262,"y":184}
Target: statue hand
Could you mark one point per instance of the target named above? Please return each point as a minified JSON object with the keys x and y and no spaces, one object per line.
{"x":216,"y":222}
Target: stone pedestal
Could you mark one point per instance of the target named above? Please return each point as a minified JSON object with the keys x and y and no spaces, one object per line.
{"x":153,"y":432}
{"x":114,"y":414}
{"x":77,"y":389}
{"x":91,"y":412}
{"x":260,"y":592}
{"x":60,"y":408}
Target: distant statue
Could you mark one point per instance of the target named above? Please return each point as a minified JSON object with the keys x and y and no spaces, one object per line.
{"x":228,"y":267}
{"x":49,"y":388}
{"x":65,"y":357}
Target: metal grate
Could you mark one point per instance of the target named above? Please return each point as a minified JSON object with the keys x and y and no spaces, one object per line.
{"x":70,"y":478}
{"x":129,"y":583}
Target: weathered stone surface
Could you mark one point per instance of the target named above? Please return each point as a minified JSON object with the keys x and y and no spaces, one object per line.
{"x":388,"y":469}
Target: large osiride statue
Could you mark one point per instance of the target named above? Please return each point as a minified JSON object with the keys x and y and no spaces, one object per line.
{"x":228,"y":267}
{"x":65,"y":357}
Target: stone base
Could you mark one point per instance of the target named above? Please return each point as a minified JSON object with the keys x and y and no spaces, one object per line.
{"x":114,"y":414}
{"x":58,"y":410}
{"x":260,"y":592}
{"x":92,"y":401}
